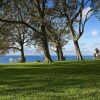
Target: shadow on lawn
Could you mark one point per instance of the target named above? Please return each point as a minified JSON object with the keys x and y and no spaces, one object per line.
{"x":55,"y":78}
{"x":27,"y":84}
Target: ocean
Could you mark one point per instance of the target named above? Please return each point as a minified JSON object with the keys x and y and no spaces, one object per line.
{"x":5,"y":59}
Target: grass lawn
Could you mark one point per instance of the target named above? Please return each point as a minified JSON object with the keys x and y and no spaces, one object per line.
{"x":69,"y":80}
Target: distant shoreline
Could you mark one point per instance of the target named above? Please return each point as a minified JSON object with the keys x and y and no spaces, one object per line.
{"x":4,"y":59}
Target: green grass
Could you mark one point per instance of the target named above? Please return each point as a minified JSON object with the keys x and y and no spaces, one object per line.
{"x":70,"y":80}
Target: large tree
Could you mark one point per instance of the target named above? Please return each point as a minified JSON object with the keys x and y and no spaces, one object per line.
{"x":32,"y":13}
{"x":20,"y":37}
{"x":14,"y":38}
{"x":72,"y":10}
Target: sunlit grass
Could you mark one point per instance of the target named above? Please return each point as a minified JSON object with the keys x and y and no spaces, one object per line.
{"x":70,"y":80}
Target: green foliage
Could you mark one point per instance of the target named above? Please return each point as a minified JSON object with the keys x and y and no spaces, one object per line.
{"x":37,"y":15}
{"x":96,"y":3}
{"x":1,"y":1}
{"x":4,"y":41}
{"x":56,"y":81}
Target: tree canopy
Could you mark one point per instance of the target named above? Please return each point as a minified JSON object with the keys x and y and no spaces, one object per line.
{"x":40,"y":18}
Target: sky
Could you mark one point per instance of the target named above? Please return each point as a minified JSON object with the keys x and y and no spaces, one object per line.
{"x":88,"y":42}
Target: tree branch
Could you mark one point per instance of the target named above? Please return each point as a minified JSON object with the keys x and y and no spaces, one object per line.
{"x":77,"y":14}
{"x":15,"y":48}
{"x":86,"y":19}
{"x":19,"y":22}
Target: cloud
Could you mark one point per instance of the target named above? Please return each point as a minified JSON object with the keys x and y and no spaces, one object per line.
{"x":94,"y":33}
{"x":85,"y":11}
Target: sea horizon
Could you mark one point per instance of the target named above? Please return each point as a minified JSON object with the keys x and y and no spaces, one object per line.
{"x":4,"y":59}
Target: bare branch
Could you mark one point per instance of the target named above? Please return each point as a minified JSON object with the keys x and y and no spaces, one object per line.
{"x":87,"y":18}
{"x":15,"y":48}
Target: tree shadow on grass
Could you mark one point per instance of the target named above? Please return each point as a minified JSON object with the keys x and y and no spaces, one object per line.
{"x":56,"y":79}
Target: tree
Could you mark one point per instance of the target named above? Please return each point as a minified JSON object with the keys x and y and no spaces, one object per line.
{"x":14,"y":38}
{"x":43,"y":29}
{"x":72,"y":10}
{"x":32,"y":14}
{"x":58,"y":36}
{"x":96,"y":4}
{"x":19,"y":36}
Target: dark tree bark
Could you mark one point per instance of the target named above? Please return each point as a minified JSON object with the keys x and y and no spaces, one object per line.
{"x":78,"y":52}
{"x":45,"y":45}
{"x":59,"y":52}
{"x":46,"y":51}
{"x":22,"y":52}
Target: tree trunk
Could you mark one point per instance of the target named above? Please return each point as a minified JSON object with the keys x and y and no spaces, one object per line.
{"x":78,"y":52}
{"x":57,"y":52}
{"x":22,"y":54}
{"x":45,"y":45}
{"x":46,"y":52}
{"x":60,"y":52}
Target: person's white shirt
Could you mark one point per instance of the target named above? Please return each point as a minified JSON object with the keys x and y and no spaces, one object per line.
{"x":97,"y":54}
